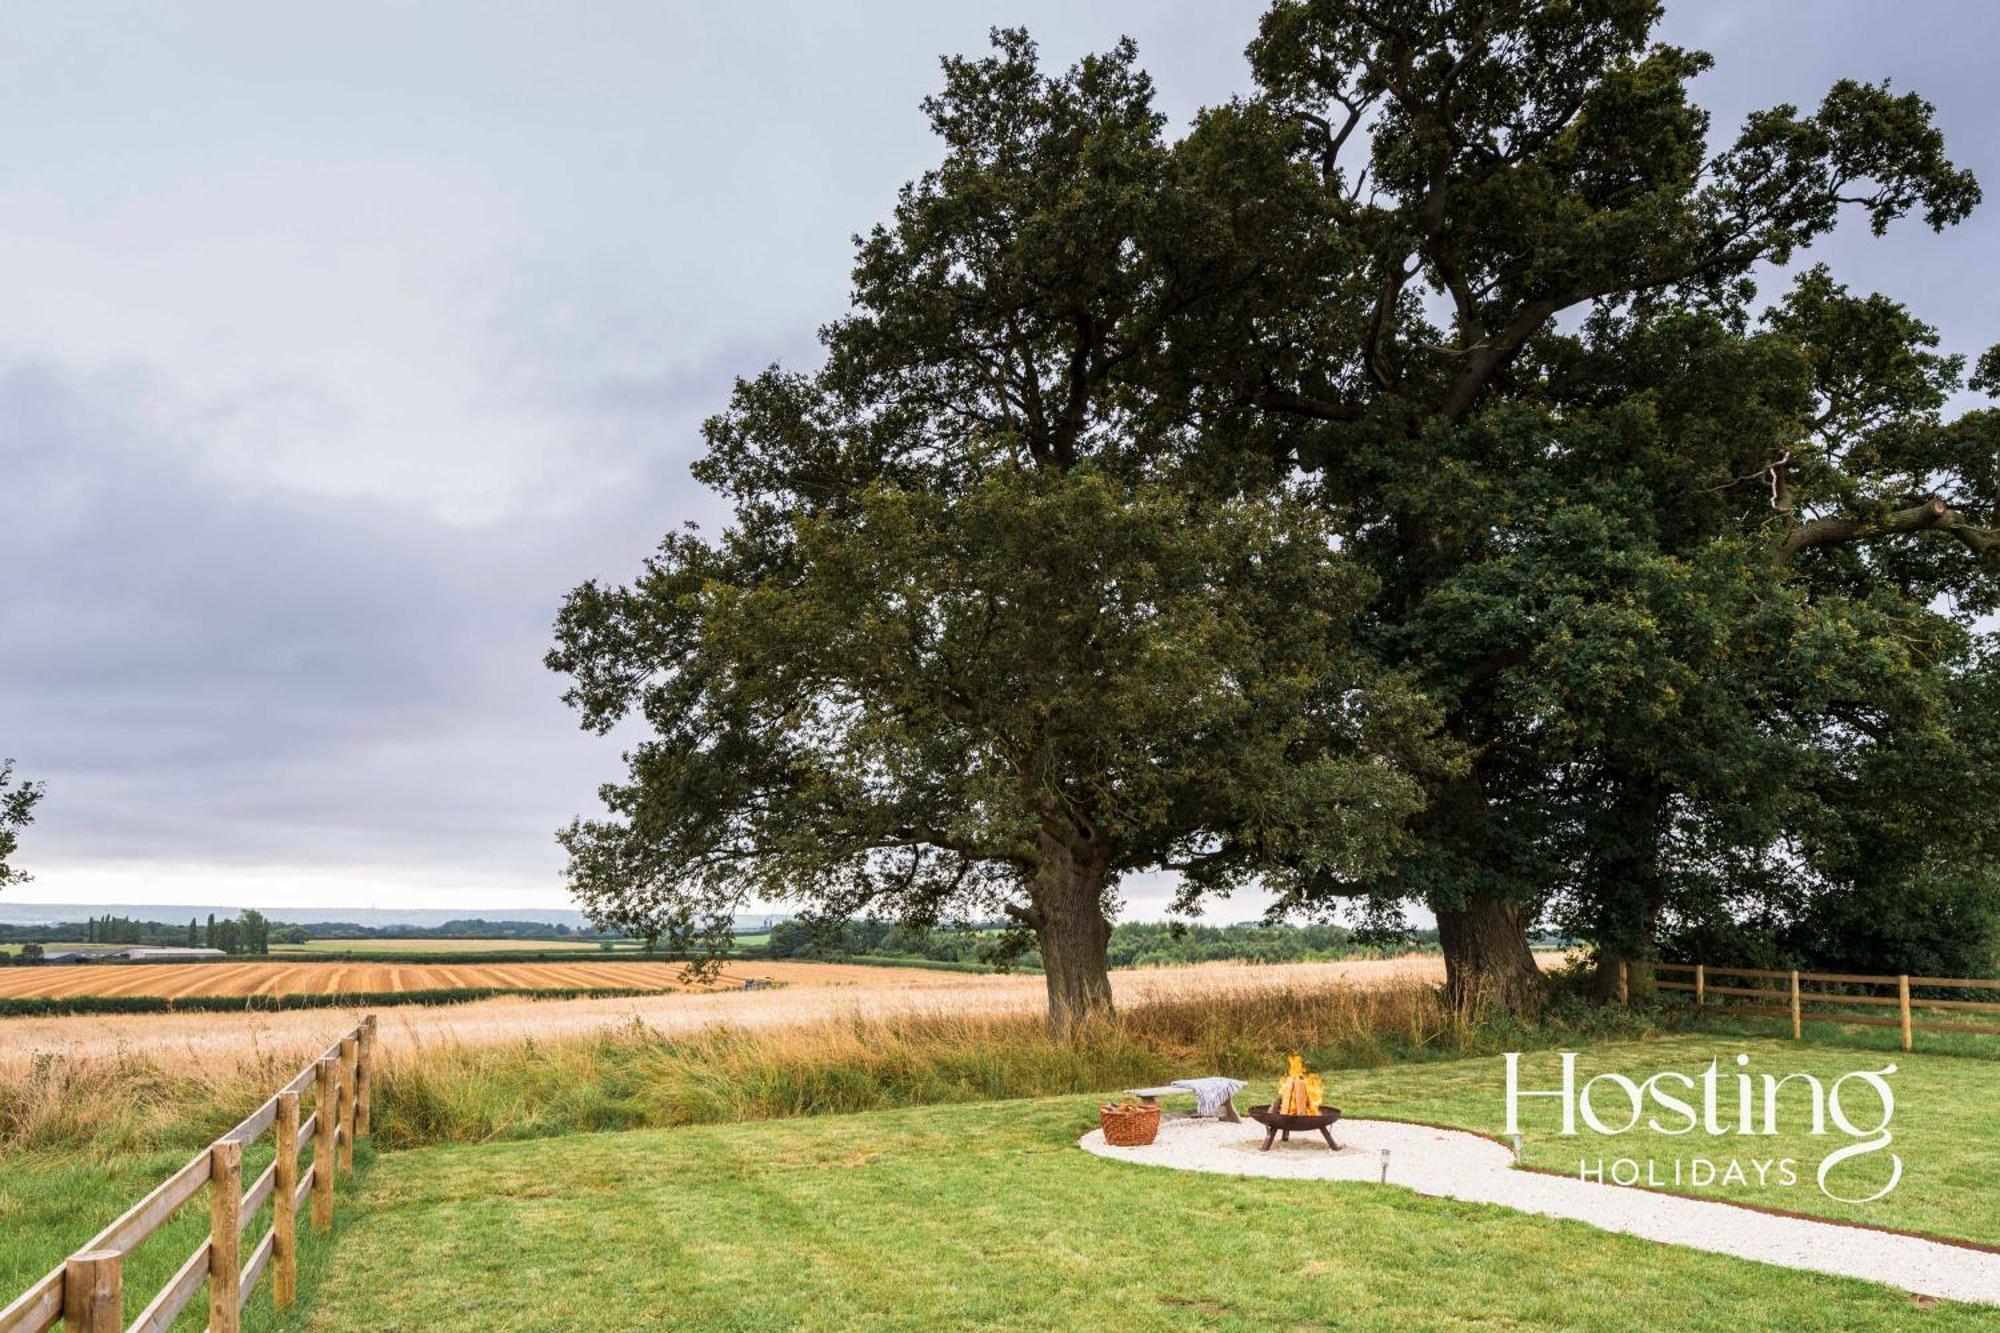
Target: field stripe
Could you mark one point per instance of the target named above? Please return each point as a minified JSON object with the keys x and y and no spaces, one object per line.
{"x":25,"y":981}
{"x":275,"y":977}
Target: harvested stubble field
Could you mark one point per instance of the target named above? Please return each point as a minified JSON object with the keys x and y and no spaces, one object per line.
{"x":335,"y":978}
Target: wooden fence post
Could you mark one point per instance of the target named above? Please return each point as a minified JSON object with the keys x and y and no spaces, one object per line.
{"x":350,"y":1057}
{"x":365,"y":1078}
{"x":1624,"y":982}
{"x":1701,"y":983}
{"x":225,"y":1237}
{"x":284,"y":1208}
{"x":94,"y":1292}
{"x":1903,"y":1000}
{"x":324,"y":1112}
{"x":1795,"y":1005}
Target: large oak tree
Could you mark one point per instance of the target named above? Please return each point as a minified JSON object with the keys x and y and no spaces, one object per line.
{"x":1641,"y":544}
{"x":993,"y":624}
{"x":1156,"y":498}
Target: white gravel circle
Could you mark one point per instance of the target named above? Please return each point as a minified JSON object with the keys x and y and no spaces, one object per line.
{"x":1456,"y":1165}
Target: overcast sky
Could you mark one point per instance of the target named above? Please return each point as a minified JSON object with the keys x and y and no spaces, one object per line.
{"x":338,"y":342}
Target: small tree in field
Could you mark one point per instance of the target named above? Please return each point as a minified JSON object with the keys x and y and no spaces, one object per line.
{"x":990,"y":628}
{"x":17,"y":811}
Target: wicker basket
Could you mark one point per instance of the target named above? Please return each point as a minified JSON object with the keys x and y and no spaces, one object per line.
{"x":1131,"y":1125}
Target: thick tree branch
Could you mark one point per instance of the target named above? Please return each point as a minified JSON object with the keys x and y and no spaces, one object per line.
{"x":1031,"y":917}
{"x":1303,"y":405}
{"x":1933,"y":515}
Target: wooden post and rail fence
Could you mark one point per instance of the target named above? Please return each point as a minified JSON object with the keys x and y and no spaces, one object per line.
{"x":1790,"y":999}
{"x":87,"y":1294}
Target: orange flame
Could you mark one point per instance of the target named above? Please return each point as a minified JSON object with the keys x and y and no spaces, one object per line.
{"x":1299,"y":1093}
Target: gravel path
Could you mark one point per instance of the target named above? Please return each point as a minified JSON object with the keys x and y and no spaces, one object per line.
{"x":1458,"y":1165}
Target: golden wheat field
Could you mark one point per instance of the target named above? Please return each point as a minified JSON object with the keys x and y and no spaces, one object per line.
{"x":122,"y":1083}
{"x":837,"y":994}
{"x":329,"y":978}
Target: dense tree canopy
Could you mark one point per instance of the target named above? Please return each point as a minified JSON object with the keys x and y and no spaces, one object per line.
{"x":986,"y":634}
{"x":1656,"y":553}
{"x":1396,"y":489}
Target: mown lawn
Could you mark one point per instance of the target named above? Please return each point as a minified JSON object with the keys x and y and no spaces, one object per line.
{"x":1946,"y":1126}
{"x":986,"y":1213}
{"x":50,"y":1206}
{"x":988,"y":1216}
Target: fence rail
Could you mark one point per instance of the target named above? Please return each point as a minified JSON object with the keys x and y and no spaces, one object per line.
{"x":87,"y":1293}
{"x":1794,"y":997}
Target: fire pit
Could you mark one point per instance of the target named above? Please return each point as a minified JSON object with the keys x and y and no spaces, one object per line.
{"x":1277,"y":1122}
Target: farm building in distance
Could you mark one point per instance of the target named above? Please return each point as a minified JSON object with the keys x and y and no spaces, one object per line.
{"x":133,"y":953}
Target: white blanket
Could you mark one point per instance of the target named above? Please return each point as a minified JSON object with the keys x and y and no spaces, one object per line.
{"x":1210,"y":1094}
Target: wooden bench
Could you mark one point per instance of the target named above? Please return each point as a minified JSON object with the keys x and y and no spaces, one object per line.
{"x":1151,"y":1097}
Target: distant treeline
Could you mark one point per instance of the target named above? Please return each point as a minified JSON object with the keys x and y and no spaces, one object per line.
{"x":471,"y":928}
{"x":251,"y":932}
{"x":1133,"y":943}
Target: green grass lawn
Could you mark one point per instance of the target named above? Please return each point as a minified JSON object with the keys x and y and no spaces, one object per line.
{"x":1946,"y":1126}
{"x":50,"y":1206}
{"x":944,"y":1216}
{"x":988,"y":1216}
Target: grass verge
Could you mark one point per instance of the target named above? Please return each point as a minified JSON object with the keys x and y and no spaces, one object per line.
{"x":1944,"y":1128}
{"x":49,"y":1207}
{"x":987,"y":1216}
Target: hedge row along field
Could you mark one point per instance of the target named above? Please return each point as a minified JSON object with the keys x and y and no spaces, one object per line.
{"x":181,"y":981}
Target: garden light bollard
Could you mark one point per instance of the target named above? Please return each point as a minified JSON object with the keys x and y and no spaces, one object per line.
{"x":1385,"y":1166}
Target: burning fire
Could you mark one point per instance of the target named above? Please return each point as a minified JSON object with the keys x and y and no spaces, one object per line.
{"x":1299,"y":1093}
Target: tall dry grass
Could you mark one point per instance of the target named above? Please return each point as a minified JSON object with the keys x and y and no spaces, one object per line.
{"x":109,"y":1106}
{"x":447,"y":1090}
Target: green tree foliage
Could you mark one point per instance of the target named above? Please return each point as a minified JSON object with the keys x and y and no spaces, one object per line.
{"x":1655,"y":552}
{"x":17,"y":810}
{"x":1444,"y":355}
{"x":1132,"y":943}
{"x":993,"y":624}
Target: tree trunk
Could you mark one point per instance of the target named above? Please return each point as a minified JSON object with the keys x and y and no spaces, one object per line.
{"x":1629,"y":888}
{"x":1487,"y":960}
{"x":1068,"y":916}
{"x":1640,"y":981}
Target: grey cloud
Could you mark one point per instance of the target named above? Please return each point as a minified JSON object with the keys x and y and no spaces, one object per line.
{"x":338,"y":345}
